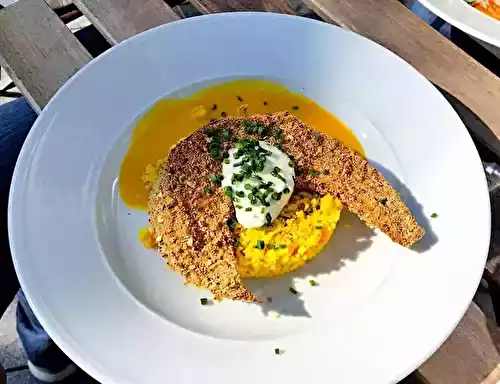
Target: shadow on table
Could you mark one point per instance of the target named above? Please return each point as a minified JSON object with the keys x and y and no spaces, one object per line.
{"x":487,"y":144}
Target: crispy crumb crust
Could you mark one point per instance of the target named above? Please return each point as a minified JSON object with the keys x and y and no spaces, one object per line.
{"x":190,"y":226}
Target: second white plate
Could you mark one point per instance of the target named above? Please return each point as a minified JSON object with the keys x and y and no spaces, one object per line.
{"x":465,"y":17}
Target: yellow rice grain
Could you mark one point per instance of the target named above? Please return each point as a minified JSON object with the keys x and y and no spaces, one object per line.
{"x":304,"y":227}
{"x":304,"y":234}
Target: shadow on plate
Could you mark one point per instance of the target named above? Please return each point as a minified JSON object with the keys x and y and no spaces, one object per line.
{"x":351,"y":238}
{"x":416,"y":208}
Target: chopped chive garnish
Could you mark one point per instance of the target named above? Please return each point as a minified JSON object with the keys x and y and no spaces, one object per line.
{"x":204,"y":301}
{"x":208,"y":191}
{"x":279,"y":246}
{"x":277,"y":133}
{"x":293,"y":290}
{"x":269,"y":219}
{"x":383,"y":201}
{"x":247,"y":187}
{"x":434,"y":215}
{"x":240,"y":194}
{"x":213,"y":177}
{"x":277,"y":315}
{"x":260,"y":244}
{"x":214,"y":153}
{"x":316,"y":136}
{"x":239,"y":98}
{"x":309,"y":211}
{"x":295,"y":107}
{"x":278,"y":176}
{"x":319,"y":227}
{"x":299,"y":172}
{"x":262,"y":210}
{"x":248,"y":209}
{"x":276,"y":196}
{"x":223,"y":114}
{"x":270,"y":190}
{"x":314,"y":172}
{"x":277,"y":169}
{"x":276,"y":351}
{"x":214,"y":107}
{"x":325,"y":172}
{"x":236,"y":178}
{"x":210,"y":132}
{"x":238,"y":206}
{"x":226,"y":134}
{"x":226,"y":161}
{"x":236,"y":242}
{"x":228,"y":191}
{"x":286,"y":190}
{"x":265,"y":102}
{"x":231,"y":223}
{"x":312,"y":283}
{"x":291,"y":163}
{"x":316,"y":196}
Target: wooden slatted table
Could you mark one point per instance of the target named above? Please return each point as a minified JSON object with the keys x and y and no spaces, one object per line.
{"x":40,"y":54}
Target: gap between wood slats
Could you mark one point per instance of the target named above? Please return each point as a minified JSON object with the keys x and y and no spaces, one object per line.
{"x":37,"y":50}
{"x":118,"y":20}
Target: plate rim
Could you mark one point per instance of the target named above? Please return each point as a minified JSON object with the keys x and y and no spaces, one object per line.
{"x":22,"y":156}
{"x":441,"y":11}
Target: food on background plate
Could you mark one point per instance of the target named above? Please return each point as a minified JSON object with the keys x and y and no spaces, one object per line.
{"x":488,"y":7}
{"x":228,"y":170}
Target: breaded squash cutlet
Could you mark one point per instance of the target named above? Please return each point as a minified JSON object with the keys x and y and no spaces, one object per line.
{"x":189,"y":215}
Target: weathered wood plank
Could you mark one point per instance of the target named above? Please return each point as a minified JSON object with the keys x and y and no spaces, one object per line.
{"x":469,"y":356}
{"x":37,"y":50}
{"x":389,"y":23}
{"x":118,"y":20}
{"x":215,"y":6}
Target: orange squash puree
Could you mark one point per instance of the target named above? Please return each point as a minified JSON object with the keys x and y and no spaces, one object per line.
{"x":169,"y":120}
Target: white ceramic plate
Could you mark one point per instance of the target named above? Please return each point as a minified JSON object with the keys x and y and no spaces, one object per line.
{"x":465,"y":17}
{"x":379,"y":311}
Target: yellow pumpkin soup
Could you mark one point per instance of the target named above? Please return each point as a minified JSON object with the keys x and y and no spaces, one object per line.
{"x":169,"y":120}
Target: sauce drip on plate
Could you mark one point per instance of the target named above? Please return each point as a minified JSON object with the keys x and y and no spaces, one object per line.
{"x":170,"y":120}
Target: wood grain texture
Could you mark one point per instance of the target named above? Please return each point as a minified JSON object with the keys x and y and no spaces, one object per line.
{"x":37,"y":50}
{"x":392,"y":25}
{"x":215,"y":6}
{"x":469,"y":356}
{"x":118,"y":20}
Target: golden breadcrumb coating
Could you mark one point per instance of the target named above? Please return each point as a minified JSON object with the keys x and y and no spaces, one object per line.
{"x":190,"y":225}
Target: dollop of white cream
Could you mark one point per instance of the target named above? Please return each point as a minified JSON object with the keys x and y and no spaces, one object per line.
{"x":256,"y":215}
